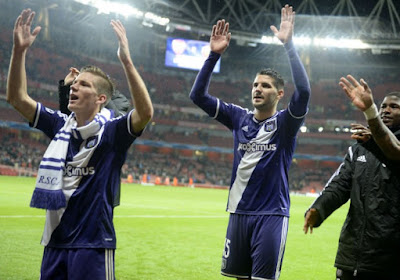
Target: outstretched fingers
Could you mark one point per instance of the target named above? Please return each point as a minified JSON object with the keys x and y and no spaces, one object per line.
{"x":220,"y":36}
{"x":292,"y":15}
{"x":364,"y":84}
{"x":23,"y":37}
{"x":118,"y":28}
{"x":19,"y":22}
{"x":283,"y":14}
{"x":274,"y":29}
{"x":226,"y":29}
{"x":287,"y":13}
{"x":30,"y":17}
{"x":220,"y":26}
{"x":353,"y":80}
{"x":221,"y":29}
{"x":123,"y":48}
{"x":214,"y":30}
{"x":344,"y":83}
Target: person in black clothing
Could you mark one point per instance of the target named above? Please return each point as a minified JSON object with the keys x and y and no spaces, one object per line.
{"x":118,"y":103}
{"x":369,"y":244}
{"x":360,"y":95}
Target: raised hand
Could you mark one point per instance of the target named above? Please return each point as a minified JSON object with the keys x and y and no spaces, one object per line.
{"x":220,"y":37}
{"x":285,"y":32}
{"x":73,"y":73}
{"x":123,"y":47}
{"x":359,"y":93}
{"x":23,"y":38}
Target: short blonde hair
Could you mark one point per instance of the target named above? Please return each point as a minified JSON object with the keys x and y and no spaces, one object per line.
{"x":104,"y":85}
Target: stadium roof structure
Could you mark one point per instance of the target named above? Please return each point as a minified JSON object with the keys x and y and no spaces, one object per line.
{"x":372,"y":25}
{"x":375,"y":23}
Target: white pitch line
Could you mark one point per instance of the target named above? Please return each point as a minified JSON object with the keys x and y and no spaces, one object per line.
{"x":20,"y":216}
{"x":127,"y":216}
{"x":171,"y":216}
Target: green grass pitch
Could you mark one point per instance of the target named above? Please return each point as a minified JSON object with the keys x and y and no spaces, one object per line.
{"x":163,"y":233}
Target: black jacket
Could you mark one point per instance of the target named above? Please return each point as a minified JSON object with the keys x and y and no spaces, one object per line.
{"x":370,"y":236}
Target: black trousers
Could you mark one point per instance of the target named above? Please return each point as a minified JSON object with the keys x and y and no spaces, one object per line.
{"x":349,"y":275}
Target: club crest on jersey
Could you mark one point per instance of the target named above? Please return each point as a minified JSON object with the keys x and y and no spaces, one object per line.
{"x":91,"y":142}
{"x":49,"y":110}
{"x":270,"y":126}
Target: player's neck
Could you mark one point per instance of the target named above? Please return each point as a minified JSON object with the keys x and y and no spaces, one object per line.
{"x":263,"y":115}
{"x":84,"y":119}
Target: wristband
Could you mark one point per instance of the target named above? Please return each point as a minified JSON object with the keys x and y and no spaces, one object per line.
{"x":371,"y":112}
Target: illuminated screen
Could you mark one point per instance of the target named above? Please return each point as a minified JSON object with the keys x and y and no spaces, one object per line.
{"x":188,"y":54}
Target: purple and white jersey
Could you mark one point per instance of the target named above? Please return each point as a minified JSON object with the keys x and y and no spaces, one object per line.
{"x":91,"y":183}
{"x":263,"y":150}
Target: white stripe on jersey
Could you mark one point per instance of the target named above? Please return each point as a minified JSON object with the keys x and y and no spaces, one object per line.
{"x":243,"y":173}
{"x":246,"y":167}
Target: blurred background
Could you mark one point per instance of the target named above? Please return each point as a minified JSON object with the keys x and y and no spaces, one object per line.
{"x":169,"y":41}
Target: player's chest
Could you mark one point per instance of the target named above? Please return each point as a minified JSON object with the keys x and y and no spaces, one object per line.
{"x":251,"y":131}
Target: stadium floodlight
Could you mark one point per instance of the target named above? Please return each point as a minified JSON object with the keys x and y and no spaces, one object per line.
{"x":302,"y":41}
{"x":320,"y":42}
{"x":340,"y":43}
{"x":107,"y":7}
{"x":270,"y":40}
{"x":156,"y":19}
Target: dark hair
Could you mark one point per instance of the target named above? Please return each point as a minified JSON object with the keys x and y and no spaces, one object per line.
{"x":394,"y":93}
{"x":104,"y":85}
{"x":278,"y":80}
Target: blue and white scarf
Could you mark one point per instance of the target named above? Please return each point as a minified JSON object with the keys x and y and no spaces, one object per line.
{"x":48,"y":193}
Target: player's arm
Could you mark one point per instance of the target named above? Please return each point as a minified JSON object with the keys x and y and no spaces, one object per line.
{"x":360,"y":95}
{"x":17,"y":91}
{"x":385,"y":139}
{"x":219,"y":42}
{"x":143,"y":112}
{"x":301,"y":96}
{"x":335,"y":194}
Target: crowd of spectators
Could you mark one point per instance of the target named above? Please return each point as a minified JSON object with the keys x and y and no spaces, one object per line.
{"x":20,"y":153}
{"x":24,"y":150}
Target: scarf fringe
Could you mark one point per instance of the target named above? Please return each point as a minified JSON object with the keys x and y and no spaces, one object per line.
{"x":48,"y":199}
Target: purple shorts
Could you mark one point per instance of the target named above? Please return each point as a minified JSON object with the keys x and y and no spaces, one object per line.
{"x":77,"y":264}
{"x":254,"y":246}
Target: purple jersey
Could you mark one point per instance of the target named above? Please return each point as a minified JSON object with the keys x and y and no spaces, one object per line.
{"x":262,"y":155}
{"x":91,"y":183}
{"x":263,"y":150}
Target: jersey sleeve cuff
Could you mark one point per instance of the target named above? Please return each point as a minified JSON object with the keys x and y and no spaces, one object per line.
{"x":36,"y":117}
{"x":130,"y":129}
